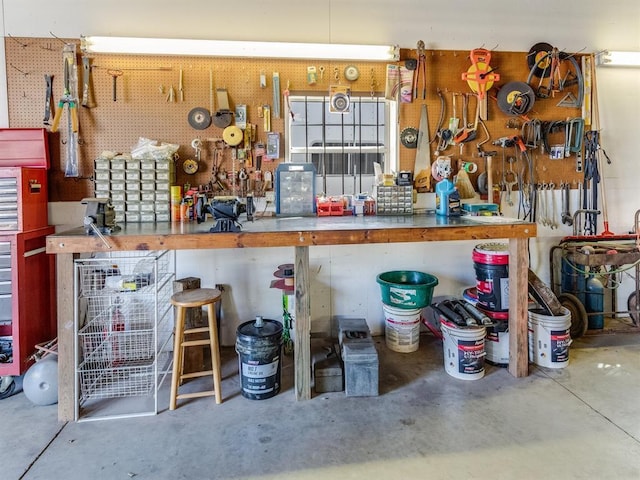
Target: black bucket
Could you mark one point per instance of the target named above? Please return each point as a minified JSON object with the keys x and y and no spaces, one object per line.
{"x":259,"y":347}
{"x":491,"y":263}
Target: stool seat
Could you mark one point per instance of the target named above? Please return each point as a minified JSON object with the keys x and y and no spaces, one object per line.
{"x":195,"y":298}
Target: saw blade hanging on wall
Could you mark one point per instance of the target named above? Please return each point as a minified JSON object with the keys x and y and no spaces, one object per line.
{"x":199,"y":118}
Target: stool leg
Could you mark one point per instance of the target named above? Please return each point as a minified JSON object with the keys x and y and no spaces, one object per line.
{"x":215,"y":351}
{"x":177,"y":356}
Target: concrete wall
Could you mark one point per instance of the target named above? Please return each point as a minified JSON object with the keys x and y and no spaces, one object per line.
{"x":344,"y":277}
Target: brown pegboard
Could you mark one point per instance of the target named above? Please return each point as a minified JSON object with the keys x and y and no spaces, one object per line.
{"x":444,"y":72}
{"x":142,"y":109}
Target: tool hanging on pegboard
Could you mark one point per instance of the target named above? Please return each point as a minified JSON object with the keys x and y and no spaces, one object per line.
{"x":516,"y":98}
{"x":593,"y":168}
{"x":88,"y":100}
{"x":480,"y":77}
{"x":48,"y":99}
{"x":420,"y":71}
{"x":70,"y":99}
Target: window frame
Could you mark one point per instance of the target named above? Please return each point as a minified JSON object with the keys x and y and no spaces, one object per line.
{"x":389,"y":148}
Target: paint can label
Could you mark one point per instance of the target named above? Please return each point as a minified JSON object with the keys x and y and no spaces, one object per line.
{"x":471,"y":356}
{"x":560,"y":340}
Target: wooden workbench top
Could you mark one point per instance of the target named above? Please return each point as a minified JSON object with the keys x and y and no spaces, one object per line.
{"x":285,"y":231}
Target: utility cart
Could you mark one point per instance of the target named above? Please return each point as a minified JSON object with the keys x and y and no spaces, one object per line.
{"x":587,"y":271}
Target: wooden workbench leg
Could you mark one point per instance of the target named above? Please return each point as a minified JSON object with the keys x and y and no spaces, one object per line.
{"x":302,"y":347}
{"x":66,"y":336}
{"x":518,"y":302}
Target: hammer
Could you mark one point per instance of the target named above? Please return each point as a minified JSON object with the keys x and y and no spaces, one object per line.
{"x":115,"y":74}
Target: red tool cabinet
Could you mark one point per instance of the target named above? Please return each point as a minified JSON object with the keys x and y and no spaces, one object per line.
{"x":27,"y":273}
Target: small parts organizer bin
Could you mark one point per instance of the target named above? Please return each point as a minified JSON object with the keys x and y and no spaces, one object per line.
{"x":394,"y":200}
{"x":124,"y":323}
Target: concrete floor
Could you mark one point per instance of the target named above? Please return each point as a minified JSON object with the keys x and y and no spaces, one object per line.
{"x":582,"y":421}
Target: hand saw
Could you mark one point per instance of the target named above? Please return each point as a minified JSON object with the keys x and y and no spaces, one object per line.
{"x":422,"y":164}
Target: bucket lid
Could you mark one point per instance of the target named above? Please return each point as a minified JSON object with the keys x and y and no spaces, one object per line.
{"x":504,"y":315}
{"x":472,"y":330}
{"x":491,"y":253}
{"x":260,"y":327}
{"x":470,"y":295}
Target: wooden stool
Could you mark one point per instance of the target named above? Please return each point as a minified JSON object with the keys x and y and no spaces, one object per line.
{"x":198,"y":298}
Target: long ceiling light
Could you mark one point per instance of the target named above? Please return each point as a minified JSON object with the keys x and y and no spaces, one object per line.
{"x":222,"y":48}
{"x":618,"y":59}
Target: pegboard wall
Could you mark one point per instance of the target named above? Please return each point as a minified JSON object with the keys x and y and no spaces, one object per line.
{"x":143,"y":107}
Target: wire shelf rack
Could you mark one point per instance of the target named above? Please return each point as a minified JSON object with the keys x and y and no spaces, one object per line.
{"x":124,"y":327}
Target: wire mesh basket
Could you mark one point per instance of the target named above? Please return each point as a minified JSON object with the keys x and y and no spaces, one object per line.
{"x":124,"y":325}
{"x":107,"y":380}
{"x":128,"y":272}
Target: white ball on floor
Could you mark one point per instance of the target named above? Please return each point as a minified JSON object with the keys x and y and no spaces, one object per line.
{"x":40,"y":383}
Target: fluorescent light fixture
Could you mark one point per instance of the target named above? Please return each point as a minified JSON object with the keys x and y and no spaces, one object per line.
{"x":222,"y":48}
{"x":618,"y":59}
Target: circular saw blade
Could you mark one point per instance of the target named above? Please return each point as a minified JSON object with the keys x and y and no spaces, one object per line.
{"x":409,"y":137}
{"x":516,"y":98}
{"x":199,"y":118}
{"x":222,"y":118}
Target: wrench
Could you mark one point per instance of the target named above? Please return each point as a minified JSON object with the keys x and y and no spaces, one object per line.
{"x":509,"y":184}
{"x":552,"y":219}
{"x":566,"y":217}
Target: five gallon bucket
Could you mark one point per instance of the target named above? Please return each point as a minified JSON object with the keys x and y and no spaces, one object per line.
{"x":491,"y":263}
{"x":496,"y":343}
{"x":549,"y":338}
{"x":463,"y":351}
{"x":259,"y":347}
{"x":402,"y":328}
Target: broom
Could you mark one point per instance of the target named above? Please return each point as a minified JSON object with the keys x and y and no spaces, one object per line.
{"x":463,"y":183}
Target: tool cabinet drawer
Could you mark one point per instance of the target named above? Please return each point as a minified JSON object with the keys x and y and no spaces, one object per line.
{"x":5,"y":260}
{"x":5,"y":287}
{"x":5,"y":274}
{"x":5,"y":248}
{"x":23,"y":198}
{"x":5,"y":309}
{"x":8,"y":187}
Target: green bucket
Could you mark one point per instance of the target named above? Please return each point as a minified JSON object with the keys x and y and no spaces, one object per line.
{"x":406,"y":289}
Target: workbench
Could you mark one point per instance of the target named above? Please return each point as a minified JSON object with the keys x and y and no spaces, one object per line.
{"x":300,"y":233}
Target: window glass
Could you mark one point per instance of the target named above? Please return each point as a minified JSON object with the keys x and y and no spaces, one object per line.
{"x":342,"y":146}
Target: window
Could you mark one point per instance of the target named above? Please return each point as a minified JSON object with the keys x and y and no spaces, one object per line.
{"x":343,"y":147}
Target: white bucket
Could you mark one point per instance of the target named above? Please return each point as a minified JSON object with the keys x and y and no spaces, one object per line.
{"x":463,"y":351}
{"x":402,"y":328}
{"x":549,"y":339}
{"x":496,"y":346}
